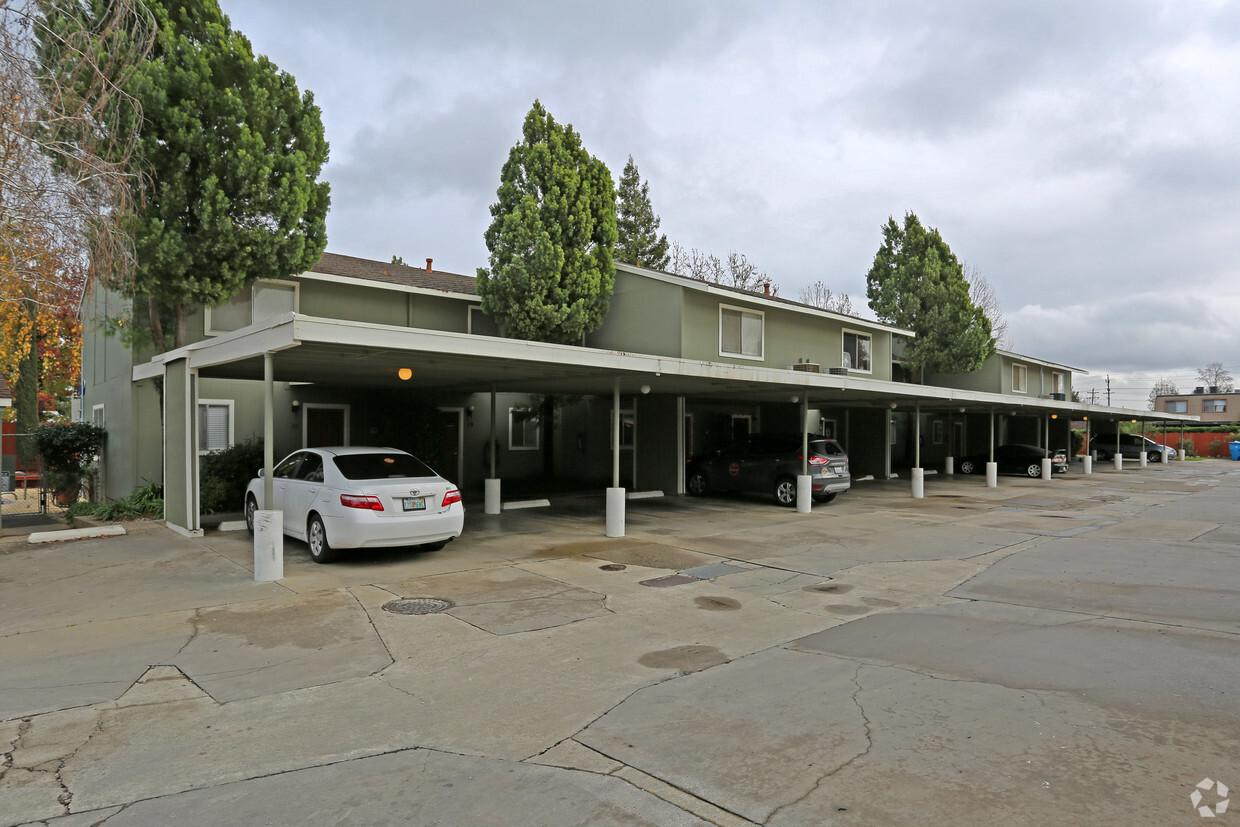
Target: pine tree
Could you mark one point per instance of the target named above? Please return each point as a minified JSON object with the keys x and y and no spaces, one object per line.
{"x":551,"y":238}
{"x":639,"y":242}
{"x":917,"y":283}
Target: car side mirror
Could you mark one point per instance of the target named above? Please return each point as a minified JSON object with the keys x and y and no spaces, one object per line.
{"x":261,"y":472}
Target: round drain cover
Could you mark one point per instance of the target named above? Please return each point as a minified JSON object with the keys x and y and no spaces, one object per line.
{"x":613,"y":567}
{"x":418,"y":606}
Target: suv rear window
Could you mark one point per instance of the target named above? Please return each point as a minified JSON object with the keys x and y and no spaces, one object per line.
{"x":381,"y":466}
{"x":826,"y":447}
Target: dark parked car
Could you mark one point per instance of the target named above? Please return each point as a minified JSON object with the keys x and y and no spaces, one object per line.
{"x":1015,"y":459}
{"x":770,"y":464}
{"x":1131,"y":446}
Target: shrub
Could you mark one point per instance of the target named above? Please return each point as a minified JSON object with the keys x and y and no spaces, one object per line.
{"x":1217,"y":448}
{"x":146,"y":502}
{"x":1187,"y":447}
{"x":223,"y":476}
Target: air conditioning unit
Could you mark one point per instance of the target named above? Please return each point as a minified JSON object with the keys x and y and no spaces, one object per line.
{"x":1059,"y":397}
{"x":806,"y":367}
{"x":838,"y":371}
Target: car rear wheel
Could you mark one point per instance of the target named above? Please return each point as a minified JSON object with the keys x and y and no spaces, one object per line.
{"x":1034,"y":469}
{"x":786,"y":491}
{"x":1103,"y":456}
{"x":251,"y":505}
{"x":825,"y":498}
{"x":967,"y":466}
{"x":316,"y":538}
{"x":697,"y":484}
{"x":1155,"y":456}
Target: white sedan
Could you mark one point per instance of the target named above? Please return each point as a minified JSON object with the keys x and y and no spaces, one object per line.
{"x":355,"y":497}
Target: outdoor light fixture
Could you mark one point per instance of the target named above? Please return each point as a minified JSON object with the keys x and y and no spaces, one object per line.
{"x":405,"y":374}
{"x":645,"y":389}
{"x":795,"y":398}
{"x":296,"y":405}
{"x":1054,"y":416}
{"x":893,"y":406}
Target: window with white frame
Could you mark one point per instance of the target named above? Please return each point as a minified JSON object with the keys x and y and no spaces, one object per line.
{"x":215,"y":425}
{"x":1057,"y":383}
{"x":1177,"y":406}
{"x":857,"y":349}
{"x":1020,"y":379}
{"x":523,"y":430}
{"x":1214,"y":406}
{"x":740,"y":332}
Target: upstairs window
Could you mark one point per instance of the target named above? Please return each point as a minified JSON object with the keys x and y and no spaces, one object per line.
{"x":1214,"y":406}
{"x":740,"y":332}
{"x":1177,"y":406}
{"x":264,"y":299}
{"x":857,"y":350}
{"x":1020,"y":379}
{"x":1057,"y":383}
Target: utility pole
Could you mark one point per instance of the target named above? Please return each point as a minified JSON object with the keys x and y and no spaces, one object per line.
{"x":1108,"y":390}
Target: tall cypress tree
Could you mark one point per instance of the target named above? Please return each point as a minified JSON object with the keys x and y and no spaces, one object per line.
{"x":639,"y":242}
{"x":551,"y":238}
{"x":916,"y":282}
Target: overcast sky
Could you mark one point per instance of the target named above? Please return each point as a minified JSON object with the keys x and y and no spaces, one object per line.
{"x":1084,"y":156}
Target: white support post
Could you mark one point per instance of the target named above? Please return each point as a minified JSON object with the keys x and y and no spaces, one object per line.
{"x":615,"y":494}
{"x":992,"y":467}
{"x":492,"y":497}
{"x":805,"y":484}
{"x":1088,"y":460}
{"x":918,"y":473}
{"x":268,"y":523}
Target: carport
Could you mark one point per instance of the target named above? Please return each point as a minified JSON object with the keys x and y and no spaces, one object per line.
{"x":331,"y":352}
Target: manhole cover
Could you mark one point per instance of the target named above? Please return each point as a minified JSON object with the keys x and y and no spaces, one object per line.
{"x":614,"y":567}
{"x":418,"y":606}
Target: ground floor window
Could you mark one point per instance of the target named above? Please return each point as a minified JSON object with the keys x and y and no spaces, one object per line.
{"x":215,"y":424}
{"x":523,"y":430}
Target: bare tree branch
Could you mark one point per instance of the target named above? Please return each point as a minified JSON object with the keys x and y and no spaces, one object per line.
{"x":982,"y":293}
{"x":821,"y":296}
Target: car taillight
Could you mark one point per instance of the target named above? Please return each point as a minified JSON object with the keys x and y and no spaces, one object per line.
{"x":367,"y":501}
{"x":817,"y":460}
{"x":452,"y":496}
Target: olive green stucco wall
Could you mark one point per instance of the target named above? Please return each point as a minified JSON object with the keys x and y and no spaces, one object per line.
{"x":644,"y":317}
{"x":995,"y":376}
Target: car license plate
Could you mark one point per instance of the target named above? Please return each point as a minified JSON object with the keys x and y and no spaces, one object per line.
{"x":414,"y":503}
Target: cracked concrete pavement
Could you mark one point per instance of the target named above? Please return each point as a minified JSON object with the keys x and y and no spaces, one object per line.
{"x":1058,"y":651}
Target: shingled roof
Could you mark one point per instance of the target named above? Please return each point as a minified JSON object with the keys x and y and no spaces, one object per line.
{"x":363,"y":268}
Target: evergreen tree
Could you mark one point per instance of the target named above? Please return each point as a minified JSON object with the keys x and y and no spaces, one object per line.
{"x":232,"y":152}
{"x":917,"y":283}
{"x":639,"y":242}
{"x":552,"y":237}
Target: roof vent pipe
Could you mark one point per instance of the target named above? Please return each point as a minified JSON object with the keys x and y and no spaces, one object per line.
{"x":428,"y":264}
{"x":766,"y":288}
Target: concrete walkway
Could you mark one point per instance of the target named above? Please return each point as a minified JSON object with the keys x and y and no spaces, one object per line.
{"x":1063,"y":651}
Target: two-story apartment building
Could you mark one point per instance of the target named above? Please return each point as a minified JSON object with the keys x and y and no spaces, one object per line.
{"x":1208,"y":403}
{"x":349,"y":351}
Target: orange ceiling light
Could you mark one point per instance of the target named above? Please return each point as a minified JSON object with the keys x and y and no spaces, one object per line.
{"x":405,"y":373}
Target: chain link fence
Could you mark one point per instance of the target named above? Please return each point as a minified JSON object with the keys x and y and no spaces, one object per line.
{"x":24,"y":486}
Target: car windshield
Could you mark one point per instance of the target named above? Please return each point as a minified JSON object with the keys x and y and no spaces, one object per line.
{"x":380,"y":466}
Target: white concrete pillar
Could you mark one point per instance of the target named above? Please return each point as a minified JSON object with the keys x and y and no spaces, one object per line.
{"x":268,"y":546}
{"x":492,"y":504}
{"x":1087,"y":463}
{"x":615,"y":512}
{"x":949,"y":466}
{"x":919,"y":483}
{"x":992,"y":475}
{"x":805,"y":492}
{"x":1046,"y":468}
{"x":1119,"y":461}
{"x":1145,"y":460}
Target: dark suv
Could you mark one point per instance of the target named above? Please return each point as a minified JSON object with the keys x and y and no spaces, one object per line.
{"x":1132,"y":446}
{"x":770,"y":464}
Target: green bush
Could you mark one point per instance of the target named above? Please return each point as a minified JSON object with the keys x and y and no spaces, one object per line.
{"x":1217,"y":448}
{"x":223,"y":476}
{"x":1187,"y":448}
{"x":146,"y":502}
{"x":68,"y":446}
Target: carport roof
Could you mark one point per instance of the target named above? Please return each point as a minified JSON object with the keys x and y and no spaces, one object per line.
{"x":354,"y":354}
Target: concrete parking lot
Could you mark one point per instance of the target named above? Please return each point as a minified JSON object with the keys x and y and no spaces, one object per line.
{"x":1045,"y":652}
